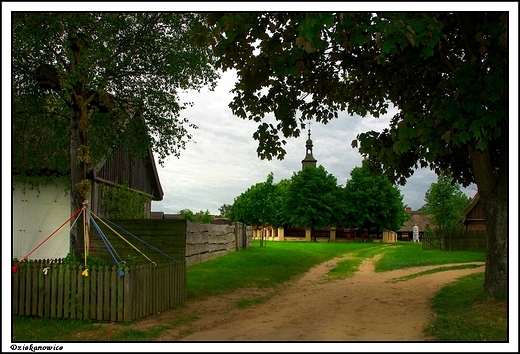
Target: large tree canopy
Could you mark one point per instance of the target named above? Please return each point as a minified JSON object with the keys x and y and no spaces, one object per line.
{"x":311,"y":199}
{"x":372,"y":202}
{"x":85,"y":83}
{"x":113,"y":63}
{"x":257,"y":205}
{"x":445,"y":73}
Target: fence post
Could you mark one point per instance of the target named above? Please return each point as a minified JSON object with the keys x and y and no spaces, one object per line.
{"x":332,"y":234}
{"x":281,"y":234}
{"x":307,"y":234}
{"x":238,"y":244}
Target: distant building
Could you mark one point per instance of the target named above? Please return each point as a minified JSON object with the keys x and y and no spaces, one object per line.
{"x":221,"y":221}
{"x":37,"y":212}
{"x":162,"y":215}
{"x":309,"y":160}
{"x":474,"y":215}
{"x":415,"y":219}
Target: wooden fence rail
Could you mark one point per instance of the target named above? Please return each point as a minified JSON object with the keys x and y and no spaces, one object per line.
{"x":49,"y":288}
{"x":455,"y":240}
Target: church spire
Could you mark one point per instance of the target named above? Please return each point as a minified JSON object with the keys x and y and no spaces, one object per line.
{"x":309,"y":160}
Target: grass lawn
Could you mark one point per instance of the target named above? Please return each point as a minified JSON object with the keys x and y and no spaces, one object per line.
{"x":278,"y":262}
{"x":463,"y":315}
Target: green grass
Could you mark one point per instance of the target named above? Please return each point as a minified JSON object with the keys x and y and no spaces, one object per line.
{"x":348,"y":267}
{"x":241,"y":304}
{"x":431,"y":271}
{"x":462,"y":314}
{"x":263,"y":267}
{"x":401,"y":255}
{"x":409,"y":254}
{"x":278,"y":262}
{"x":48,"y":329}
{"x":132,"y":334}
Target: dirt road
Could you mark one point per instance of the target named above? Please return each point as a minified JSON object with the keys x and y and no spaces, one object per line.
{"x":366,"y":307}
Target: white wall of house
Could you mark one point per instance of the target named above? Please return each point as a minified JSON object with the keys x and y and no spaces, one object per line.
{"x":37,"y":213}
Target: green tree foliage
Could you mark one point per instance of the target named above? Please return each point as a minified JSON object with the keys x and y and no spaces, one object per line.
{"x":280,"y":195}
{"x":201,"y":217}
{"x":120,"y":202}
{"x":256,"y":206}
{"x":111,"y":77}
{"x":447,"y":75}
{"x":226,"y":210}
{"x":372,"y":203}
{"x":445,"y":203}
{"x":188,"y":215}
{"x":311,"y":199}
{"x":116,"y":62}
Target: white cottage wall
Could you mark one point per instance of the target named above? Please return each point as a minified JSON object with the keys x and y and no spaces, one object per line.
{"x":37,"y":213}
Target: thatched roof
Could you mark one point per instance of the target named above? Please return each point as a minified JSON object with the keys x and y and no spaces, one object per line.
{"x":416,"y":218}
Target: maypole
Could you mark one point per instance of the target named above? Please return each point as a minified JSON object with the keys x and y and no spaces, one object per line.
{"x":85,"y":233}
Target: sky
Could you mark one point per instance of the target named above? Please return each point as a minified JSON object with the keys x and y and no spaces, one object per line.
{"x":221,"y":161}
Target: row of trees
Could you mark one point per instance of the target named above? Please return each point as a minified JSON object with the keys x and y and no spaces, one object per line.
{"x":313,"y":198}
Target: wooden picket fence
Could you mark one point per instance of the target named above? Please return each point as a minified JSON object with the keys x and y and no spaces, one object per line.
{"x":49,"y":288}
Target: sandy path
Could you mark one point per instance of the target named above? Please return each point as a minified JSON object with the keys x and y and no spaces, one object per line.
{"x":366,"y":307}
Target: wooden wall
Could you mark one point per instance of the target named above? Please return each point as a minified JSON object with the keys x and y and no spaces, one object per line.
{"x":166,"y":235}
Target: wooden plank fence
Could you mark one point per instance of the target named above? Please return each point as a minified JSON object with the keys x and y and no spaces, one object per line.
{"x":49,"y":288}
{"x":456,"y":240}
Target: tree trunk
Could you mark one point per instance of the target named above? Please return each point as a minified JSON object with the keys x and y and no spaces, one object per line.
{"x":495,"y":280}
{"x":493,"y":190}
{"x":80,"y":114}
{"x":77,"y":173}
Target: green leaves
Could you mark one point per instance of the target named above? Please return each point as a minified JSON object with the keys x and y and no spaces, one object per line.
{"x":142,"y":59}
{"x":445,"y":203}
{"x":258,"y":205}
{"x":120,"y":202}
{"x":427,"y":52}
{"x":202,"y":217}
{"x":446,"y":136}
{"x":310,"y":199}
{"x":370,"y":200}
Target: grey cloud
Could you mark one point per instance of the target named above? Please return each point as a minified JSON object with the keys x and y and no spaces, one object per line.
{"x":222,"y":161}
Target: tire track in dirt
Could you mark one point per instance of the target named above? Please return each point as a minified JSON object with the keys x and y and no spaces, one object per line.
{"x":365,"y":307}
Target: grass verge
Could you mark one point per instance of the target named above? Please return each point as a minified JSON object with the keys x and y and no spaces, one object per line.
{"x":431,"y":271}
{"x":462,"y":314}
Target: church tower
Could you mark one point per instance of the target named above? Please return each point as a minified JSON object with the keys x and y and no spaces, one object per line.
{"x":309,"y":160}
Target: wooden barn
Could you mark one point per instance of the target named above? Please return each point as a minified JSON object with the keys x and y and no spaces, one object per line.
{"x":141,"y":175}
{"x":474,"y":215}
{"x":38,"y":212}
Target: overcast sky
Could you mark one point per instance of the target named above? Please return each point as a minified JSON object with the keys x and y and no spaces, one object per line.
{"x":221,"y":162}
